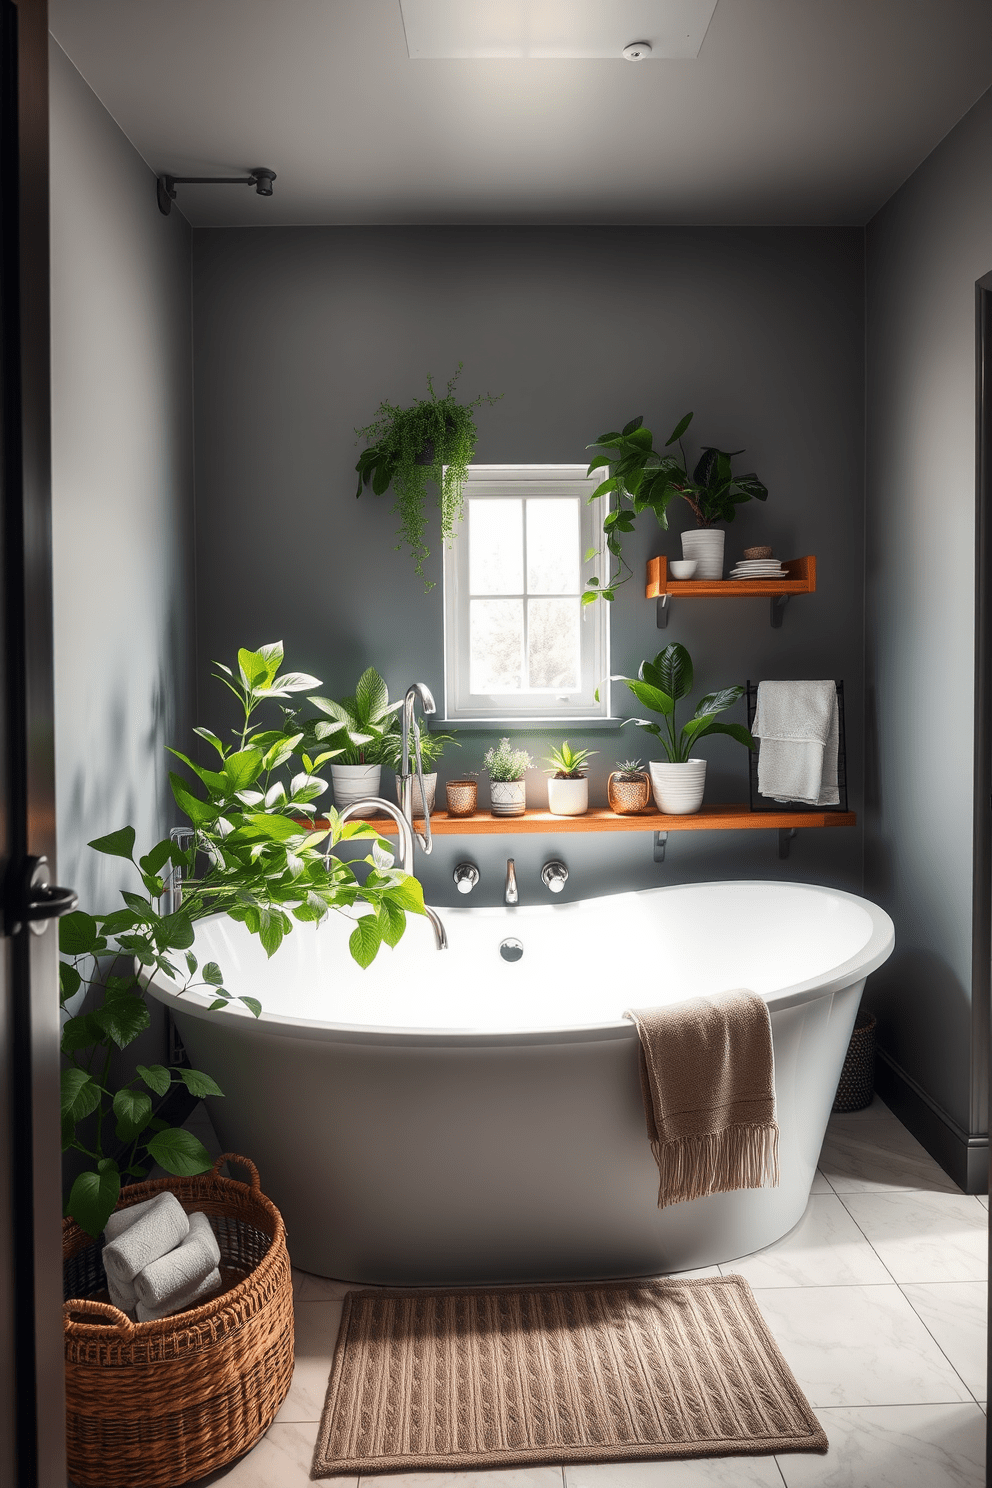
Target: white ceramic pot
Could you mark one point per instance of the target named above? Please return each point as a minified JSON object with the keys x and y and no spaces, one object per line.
{"x":508,"y":797}
{"x":430,"y":786}
{"x":705,"y":545}
{"x":354,"y":783}
{"x":678,"y":789}
{"x":568,"y":797}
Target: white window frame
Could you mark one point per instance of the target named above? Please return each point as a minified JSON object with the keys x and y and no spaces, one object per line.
{"x":461,"y":705}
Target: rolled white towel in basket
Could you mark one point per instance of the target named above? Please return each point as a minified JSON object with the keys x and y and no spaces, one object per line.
{"x":798,"y":725}
{"x":161,"y":1226}
{"x":123,"y":1297}
{"x":200,"y":1293}
{"x":171,"y":1283}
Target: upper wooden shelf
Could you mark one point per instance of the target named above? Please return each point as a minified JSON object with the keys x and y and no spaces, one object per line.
{"x":732,"y":818}
{"x":801,"y":580}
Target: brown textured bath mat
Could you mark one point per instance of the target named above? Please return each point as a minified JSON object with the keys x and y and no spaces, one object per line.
{"x":603,"y":1372}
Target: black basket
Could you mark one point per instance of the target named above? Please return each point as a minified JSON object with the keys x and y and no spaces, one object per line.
{"x":857,"y":1079}
{"x":763,"y":803}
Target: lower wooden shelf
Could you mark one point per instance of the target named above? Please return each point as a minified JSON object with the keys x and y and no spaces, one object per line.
{"x":733,"y":818}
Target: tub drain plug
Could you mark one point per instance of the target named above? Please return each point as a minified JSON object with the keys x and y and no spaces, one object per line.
{"x":511,"y":949}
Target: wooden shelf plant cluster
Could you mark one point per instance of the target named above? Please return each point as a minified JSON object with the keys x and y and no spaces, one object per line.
{"x":801,"y":580}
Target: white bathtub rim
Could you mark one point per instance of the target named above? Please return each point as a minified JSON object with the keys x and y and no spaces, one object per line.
{"x":856,"y":968}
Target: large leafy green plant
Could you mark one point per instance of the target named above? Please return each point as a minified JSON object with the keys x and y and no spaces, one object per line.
{"x":434,"y":440}
{"x":663,"y":683}
{"x":255,"y":853}
{"x":367,"y":722}
{"x":642,"y":478}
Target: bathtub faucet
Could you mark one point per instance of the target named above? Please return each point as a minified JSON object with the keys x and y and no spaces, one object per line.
{"x":411,"y":731}
{"x":369,"y":807}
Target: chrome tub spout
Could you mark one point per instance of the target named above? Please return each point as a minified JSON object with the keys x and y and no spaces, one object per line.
{"x":367,"y":808}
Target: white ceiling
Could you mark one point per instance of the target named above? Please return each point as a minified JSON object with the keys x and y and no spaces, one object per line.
{"x":795,"y":111}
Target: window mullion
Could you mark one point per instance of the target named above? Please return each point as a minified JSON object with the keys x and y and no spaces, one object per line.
{"x":523,"y":532}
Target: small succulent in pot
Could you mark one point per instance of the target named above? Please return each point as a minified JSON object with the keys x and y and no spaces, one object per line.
{"x":628,"y":788}
{"x":568,"y":788}
{"x":505,"y":767}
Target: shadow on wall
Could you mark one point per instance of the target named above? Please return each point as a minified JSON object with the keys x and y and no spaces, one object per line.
{"x":118,"y":776}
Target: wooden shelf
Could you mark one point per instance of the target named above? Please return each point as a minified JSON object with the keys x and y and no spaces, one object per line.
{"x":734,"y":818}
{"x":801,"y":580}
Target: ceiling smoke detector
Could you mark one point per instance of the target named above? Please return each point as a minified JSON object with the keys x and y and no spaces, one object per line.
{"x":636,"y":51}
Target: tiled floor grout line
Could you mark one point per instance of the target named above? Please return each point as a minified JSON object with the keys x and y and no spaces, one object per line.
{"x":923,"y":1320}
{"x":861,"y":1231}
{"x":781,"y":1473}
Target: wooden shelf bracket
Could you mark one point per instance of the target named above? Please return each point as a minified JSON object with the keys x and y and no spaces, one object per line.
{"x":785,"y":836}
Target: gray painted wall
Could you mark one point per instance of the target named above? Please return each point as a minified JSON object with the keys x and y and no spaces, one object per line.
{"x":122,"y":498}
{"x":925,"y":250}
{"x":122,"y":458}
{"x":298,"y":334}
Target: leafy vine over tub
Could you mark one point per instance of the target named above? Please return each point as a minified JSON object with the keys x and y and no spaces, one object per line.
{"x":252,"y":824}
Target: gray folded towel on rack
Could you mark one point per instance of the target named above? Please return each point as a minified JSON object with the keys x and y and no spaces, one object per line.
{"x":166,"y":1285}
{"x":798,"y":726}
{"x":160,"y":1226}
{"x":211,"y":1283}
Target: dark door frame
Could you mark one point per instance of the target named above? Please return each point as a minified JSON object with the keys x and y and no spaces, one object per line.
{"x":981,"y":967}
{"x":981,"y":974}
{"x":32,"y":1451}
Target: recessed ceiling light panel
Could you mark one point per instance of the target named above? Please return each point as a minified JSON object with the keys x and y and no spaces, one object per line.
{"x":554,"y":28}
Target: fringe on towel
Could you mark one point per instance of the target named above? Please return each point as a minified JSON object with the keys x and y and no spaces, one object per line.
{"x":718,"y":1162}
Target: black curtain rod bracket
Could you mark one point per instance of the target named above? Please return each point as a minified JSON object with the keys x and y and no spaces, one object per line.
{"x":166,"y":185}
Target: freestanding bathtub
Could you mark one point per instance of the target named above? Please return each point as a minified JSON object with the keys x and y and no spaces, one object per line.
{"x":449,"y":1117}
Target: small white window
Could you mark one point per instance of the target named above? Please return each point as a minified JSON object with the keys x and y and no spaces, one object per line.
{"x":519,"y":643}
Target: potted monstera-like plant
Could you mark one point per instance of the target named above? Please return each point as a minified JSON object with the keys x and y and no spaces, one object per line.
{"x":642,"y":478}
{"x":406,"y":447}
{"x":679,"y":780}
{"x":363,"y":728}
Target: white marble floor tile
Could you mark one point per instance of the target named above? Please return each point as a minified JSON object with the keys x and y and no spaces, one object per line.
{"x":820,"y":1184}
{"x":871,"y":1151}
{"x":280,"y":1460}
{"x":956,"y":1313}
{"x":894,"y":1446}
{"x":701,"y":1472}
{"x":510,"y":1477}
{"x":925,"y":1236}
{"x":858,"y":1345}
{"x":826,"y":1248}
{"x":316,"y":1334}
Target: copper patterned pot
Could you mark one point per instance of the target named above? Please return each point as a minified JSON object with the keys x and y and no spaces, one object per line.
{"x":626,"y":795}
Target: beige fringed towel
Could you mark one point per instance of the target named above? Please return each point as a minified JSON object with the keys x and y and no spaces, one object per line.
{"x":708,"y":1080}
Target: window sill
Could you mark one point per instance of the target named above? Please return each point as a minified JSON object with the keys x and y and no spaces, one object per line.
{"x":519,"y":725}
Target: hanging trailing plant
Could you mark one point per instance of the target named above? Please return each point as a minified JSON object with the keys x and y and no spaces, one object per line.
{"x":434,"y":440}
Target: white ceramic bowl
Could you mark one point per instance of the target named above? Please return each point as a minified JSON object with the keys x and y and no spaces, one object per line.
{"x":683,"y":568}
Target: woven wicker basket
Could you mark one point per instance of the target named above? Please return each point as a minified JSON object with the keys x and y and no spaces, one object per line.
{"x":857,"y":1078}
{"x":154,"y":1405}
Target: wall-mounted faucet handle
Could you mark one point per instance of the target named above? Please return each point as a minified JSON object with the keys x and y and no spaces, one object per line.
{"x":466,"y":876}
{"x":554,"y":875}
